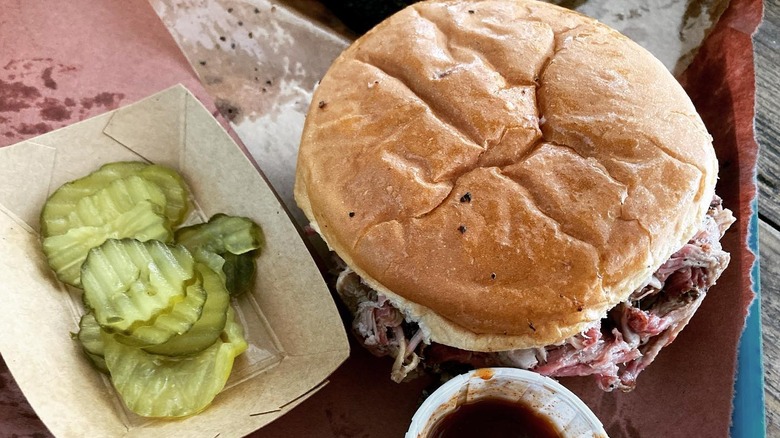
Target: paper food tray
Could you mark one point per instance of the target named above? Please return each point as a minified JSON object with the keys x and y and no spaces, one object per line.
{"x":295,"y":336}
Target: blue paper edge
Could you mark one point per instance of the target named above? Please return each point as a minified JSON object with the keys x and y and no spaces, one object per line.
{"x":748,"y":418}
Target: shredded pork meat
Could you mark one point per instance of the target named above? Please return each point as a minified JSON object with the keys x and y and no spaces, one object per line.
{"x":380,"y":326}
{"x":615,"y":350}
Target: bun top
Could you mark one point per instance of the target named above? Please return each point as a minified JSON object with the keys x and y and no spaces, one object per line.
{"x":504,"y":171}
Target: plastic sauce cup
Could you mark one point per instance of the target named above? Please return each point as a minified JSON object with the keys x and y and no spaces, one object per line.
{"x":548,"y":398}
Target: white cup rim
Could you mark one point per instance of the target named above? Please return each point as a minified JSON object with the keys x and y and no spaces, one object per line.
{"x":452,"y":387}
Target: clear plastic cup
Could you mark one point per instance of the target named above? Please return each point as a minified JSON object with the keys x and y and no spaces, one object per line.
{"x":542,"y":394}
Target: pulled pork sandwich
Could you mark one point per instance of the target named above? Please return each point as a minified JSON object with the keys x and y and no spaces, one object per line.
{"x":510,"y":183}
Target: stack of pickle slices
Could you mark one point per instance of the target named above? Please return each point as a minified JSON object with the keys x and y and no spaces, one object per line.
{"x":159,"y":319}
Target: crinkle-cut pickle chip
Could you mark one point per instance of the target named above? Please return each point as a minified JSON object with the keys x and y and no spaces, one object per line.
{"x":235,"y":239}
{"x":63,"y":202}
{"x":113,"y":200}
{"x":175,"y":188}
{"x":239,"y":272}
{"x":213,"y":260}
{"x":221,"y":234}
{"x":91,"y":341}
{"x":67,"y":252}
{"x":212,"y":321}
{"x":160,"y":386}
{"x":128,"y":283}
{"x":179,"y":320}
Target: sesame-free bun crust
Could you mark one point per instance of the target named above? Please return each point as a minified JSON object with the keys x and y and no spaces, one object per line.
{"x":504,"y":171}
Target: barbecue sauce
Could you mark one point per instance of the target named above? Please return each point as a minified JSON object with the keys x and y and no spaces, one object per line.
{"x":494,"y":418}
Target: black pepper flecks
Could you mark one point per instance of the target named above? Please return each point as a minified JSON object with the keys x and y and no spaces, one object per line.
{"x":240,"y":23}
{"x":531,"y":325}
{"x":351,"y":214}
{"x":579,"y":308}
{"x":268,"y":82}
{"x":462,"y":229}
{"x":230,"y":10}
{"x":471,"y":11}
{"x":257,"y":11}
{"x":232,"y":45}
{"x":250,"y":36}
{"x":203,"y":63}
{"x":321,"y":105}
{"x":492,"y":275}
{"x":222,"y":38}
{"x":466,"y":197}
{"x":228,"y":110}
{"x":264,"y":90}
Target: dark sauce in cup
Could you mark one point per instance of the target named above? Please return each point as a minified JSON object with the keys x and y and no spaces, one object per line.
{"x":494,"y":418}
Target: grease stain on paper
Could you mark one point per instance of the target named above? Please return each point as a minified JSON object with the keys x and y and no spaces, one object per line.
{"x":264,"y":84}
{"x":53,"y":110}
{"x":105,"y":100}
{"x":15,"y":96}
{"x":32,"y":101}
{"x":248,"y":55}
{"x":28,"y":129}
{"x":48,"y":82}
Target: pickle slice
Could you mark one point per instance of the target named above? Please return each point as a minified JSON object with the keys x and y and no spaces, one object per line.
{"x":221,"y":234}
{"x":91,"y":341}
{"x":212,"y":321}
{"x":214,"y":261}
{"x":128,"y":283}
{"x":62,"y":204}
{"x":160,"y":386}
{"x":235,"y":239}
{"x":236,"y":271}
{"x":98,"y":362}
{"x":176,"y":191}
{"x":66,"y":252}
{"x":112,"y":201}
{"x":107,"y":204}
{"x":178,"y":321}
{"x":239,"y":272}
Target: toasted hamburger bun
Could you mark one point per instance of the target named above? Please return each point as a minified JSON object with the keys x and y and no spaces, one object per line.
{"x":505,"y":172}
